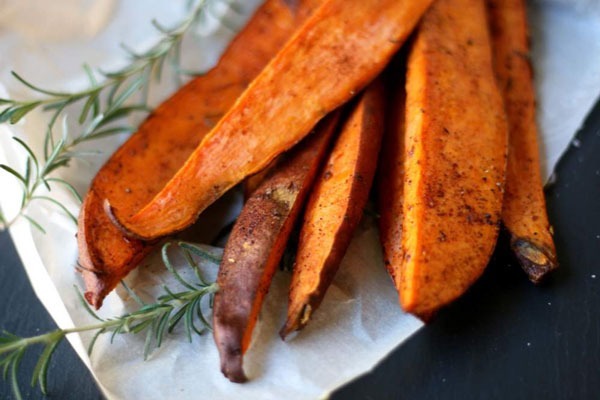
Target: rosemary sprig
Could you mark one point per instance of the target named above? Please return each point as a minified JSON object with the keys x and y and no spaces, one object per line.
{"x":156,"y":320}
{"x":103,"y":104}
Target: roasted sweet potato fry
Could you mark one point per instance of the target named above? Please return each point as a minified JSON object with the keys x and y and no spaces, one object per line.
{"x":146,"y":162}
{"x":257,"y":243}
{"x":335,"y":207}
{"x":336,"y":53}
{"x":390,"y":172}
{"x":524,"y":210}
{"x":455,"y":157}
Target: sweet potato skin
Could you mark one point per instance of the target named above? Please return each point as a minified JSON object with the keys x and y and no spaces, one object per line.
{"x":524,"y":210}
{"x":150,"y":158}
{"x":339,"y":50}
{"x":257,"y":243}
{"x":455,"y":157}
{"x":335,"y":207}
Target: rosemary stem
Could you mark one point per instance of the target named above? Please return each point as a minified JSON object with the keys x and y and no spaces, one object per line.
{"x":59,"y":334}
{"x":26,"y":342}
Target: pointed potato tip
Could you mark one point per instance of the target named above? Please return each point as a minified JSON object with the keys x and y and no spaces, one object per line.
{"x":232,"y":361}
{"x":235,"y":373}
{"x":95,"y":286}
{"x":536,"y":261}
{"x":228,"y":340}
{"x":292,"y":324}
{"x":93,"y":299}
{"x":285,"y":331}
{"x":296,"y":320}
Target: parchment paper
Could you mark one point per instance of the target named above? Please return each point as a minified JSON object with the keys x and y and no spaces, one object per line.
{"x":359,"y":322}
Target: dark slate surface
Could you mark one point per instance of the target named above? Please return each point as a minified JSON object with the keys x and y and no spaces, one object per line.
{"x":505,"y":339}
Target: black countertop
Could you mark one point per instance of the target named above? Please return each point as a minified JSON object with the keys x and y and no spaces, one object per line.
{"x":504,"y":339}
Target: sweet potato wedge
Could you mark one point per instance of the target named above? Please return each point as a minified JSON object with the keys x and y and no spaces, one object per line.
{"x":455,"y":157}
{"x":524,"y":210}
{"x":150,"y":158}
{"x":337,"y":52}
{"x":257,"y":243}
{"x":390,"y":172}
{"x":335,"y":207}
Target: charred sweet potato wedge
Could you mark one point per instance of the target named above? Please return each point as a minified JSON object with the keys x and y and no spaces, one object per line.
{"x":337,"y":52}
{"x":257,"y":243}
{"x":454,"y":157}
{"x":150,"y":158}
{"x":335,"y":207}
{"x":524,"y":210}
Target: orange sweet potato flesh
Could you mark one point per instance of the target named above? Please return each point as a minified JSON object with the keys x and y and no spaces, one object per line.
{"x":257,"y":243}
{"x":455,"y":157}
{"x":524,"y":211}
{"x":338,"y":51}
{"x":150,"y":158}
{"x":335,"y":207}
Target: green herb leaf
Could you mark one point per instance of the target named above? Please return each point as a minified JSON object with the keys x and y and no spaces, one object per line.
{"x":14,"y":173}
{"x":40,"y":373}
{"x":18,"y":113}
